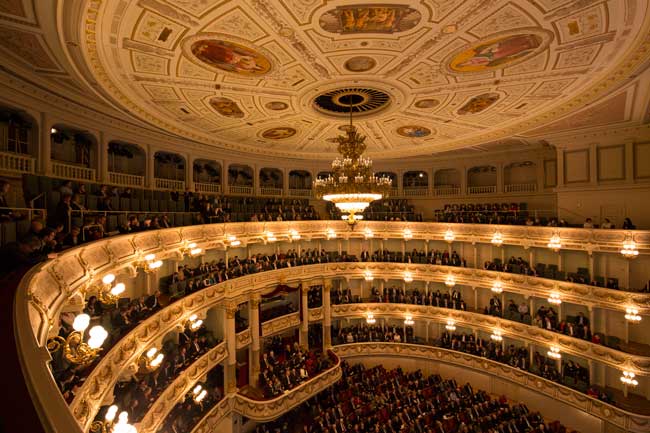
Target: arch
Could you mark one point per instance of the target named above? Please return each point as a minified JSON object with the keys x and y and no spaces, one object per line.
{"x":447,"y":178}
{"x":70,"y":145}
{"x":520,"y":177}
{"x":482,"y":179}
{"x":126,"y":158}
{"x":206,"y":171}
{"x":415,"y":179}
{"x":18,"y":132}
{"x":169,"y":165}
{"x":271,"y":178}
{"x":240,"y":175}
{"x":300,"y":179}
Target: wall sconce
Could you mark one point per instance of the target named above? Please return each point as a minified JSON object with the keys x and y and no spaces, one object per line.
{"x":270,"y":237}
{"x":451,"y":325}
{"x":110,"y":426}
{"x":110,"y":294}
{"x":497,"y":287}
{"x":352,"y":221}
{"x":449,"y":236}
{"x":367,"y":275}
{"x":450,"y":281}
{"x":294,"y":235}
{"x":632,"y":315}
{"x":368,"y":234}
{"x":149,"y":263}
{"x":407,"y":234}
{"x":628,"y":378}
{"x":555,"y":243}
{"x":554,"y":298}
{"x":496,"y":335}
{"x":151,"y":359}
{"x":629,"y":250}
{"x":408,"y":277}
{"x":497,"y":239}
{"x":331,"y":234}
{"x":370,"y":319}
{"x":408,"y":321}
{"x":232,"y":241}
{"x":194,"y":323}
{"x":75,"y":350}
{"x":191,"y":250}
{"x":198,"y":394}
{"x":554,"y":352}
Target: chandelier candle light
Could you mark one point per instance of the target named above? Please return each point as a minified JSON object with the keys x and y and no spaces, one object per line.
{"x":370,"y":319}
{"x":497,"y":239}
{"x":629,"y":250}
{"x":449,"y":236}
{"x":353,"y":185}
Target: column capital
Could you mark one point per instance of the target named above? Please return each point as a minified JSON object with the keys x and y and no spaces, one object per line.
{"x":255,"y":301}
{"x":231,"y":309}
{"x":304,"y":288}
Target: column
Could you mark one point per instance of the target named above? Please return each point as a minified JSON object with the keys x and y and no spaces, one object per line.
{"x":500,"y":187}
{"x":304,"y":324}
{"x":463,"y":180}
{"x":531,"y":257}
{"x":430,"y":173}
{"x":189,"y":172}
{"x":224,"y":176}
{"x":256,"y":180}
{"x":45,"y":146}
{"x":593,"y":164}
{"x":327,"y":317}
{"x":400,"y":183}
{"x":149,"y":175}
{"x":629,"y":161}
{"x":560,"y":166}
{"x":590,"y":366}
{"x":541,"y":175}
{"x":285,"y":182}
{"x":254,"y":351}
{"x":475,"y":298}
{"x":591,"y":266}
{"x":230,"y":380}
{"x":102,"y":158}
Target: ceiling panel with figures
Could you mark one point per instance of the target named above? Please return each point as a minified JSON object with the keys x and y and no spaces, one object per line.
{"x":421,"y":77}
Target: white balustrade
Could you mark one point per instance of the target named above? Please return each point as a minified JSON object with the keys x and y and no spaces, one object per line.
{"x":214,"y":188}
{"x":238,"y":189}
{"x":17,"y":163}
{"x":446,"y":191}
{"x":170,"y":184}
{"x":70,"y":171}
{"x":300,"y":192}
{"x":491,"y":189}
{"x":521,"y":187}
{"x":125,"y":179}
{"x":394,"y":192}
{"x":270,"y":191}
{"x":416,"y":191}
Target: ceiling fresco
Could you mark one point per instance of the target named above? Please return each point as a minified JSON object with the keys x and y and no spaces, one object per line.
{"x":279,"y":77}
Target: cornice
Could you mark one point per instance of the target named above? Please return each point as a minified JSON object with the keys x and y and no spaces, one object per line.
{"x":627,"y":421}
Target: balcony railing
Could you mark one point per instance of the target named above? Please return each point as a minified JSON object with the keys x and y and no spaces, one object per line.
{"x":124,"y":179}
{"x":300,"y":192}
{"x":416,"y":191}
{"x":238,"y":189}
{"x":243,"y":338}
{"x":521,"y":187}
{"x":170,"y":184}
{"x":625,"y":421}
{"x":213,"y":188}
{"x":281,"y":323}
{"x":74,"y":172}
{"x":17,"y":163}
{"x":271,"y":191}
{"x":446,"y":191}
{"x":491,"y":189}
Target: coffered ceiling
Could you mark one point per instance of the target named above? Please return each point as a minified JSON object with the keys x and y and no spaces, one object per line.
{"x":278,"y":77}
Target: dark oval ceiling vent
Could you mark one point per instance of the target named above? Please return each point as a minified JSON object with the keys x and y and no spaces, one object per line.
{"x":363,"y":100}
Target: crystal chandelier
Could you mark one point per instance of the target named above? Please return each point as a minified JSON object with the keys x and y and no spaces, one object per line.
{"x":353,"y":185}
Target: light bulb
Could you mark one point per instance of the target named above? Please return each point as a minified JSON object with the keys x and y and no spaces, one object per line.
{"x":408,"y":234}
{"x":118,"y":289}
{"x":97,"y":336}
{"x":195,"y":251}
{"x":450,"y":281}
{"x":108,"y":279}
{"x":192,"y":245}
{"x":150,"y":257}
{"x":151,"y":352}
{"x":110,"y":413}
{"x":197,"y":389}
{"x":193,"y":317}
{"x":157,"y":360}
{"x":156,"y":264}
{"x":367,"y":233}
{"x":294,"y":234}
{"x":449,"y":235}
{"x":81,"y":322}
{"x":408,"y":277}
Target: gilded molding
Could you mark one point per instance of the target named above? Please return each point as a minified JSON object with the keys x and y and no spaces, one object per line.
{"x":316,"y":314}
{"x":281,"y":323}
{"x":244,"y":338}
{"x":628,"y":421}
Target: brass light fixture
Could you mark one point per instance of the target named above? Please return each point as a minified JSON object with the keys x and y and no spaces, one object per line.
{"x":353,"y":185}
{"x":149,"y":263}
{"x":109,"y":293}
{"x":151,"y":359}
{"x":75,"y":350}
{"x":109,"y":425}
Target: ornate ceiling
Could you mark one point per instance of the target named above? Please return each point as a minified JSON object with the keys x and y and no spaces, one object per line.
{"x":276,"y":77}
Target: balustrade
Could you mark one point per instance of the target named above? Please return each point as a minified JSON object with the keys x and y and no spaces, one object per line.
{"x":271,"y":191}
{"x":73,"y":172}
{"x":170,"y":184}
{"x":17,"y":163}
{"x":237,"y":189}
{"x":491,"y":189}
{"x":446,"y":191}
{"x":521,"y":187}
{"x":416,"y":191}
{"x":124,"y":179}
{"x":212,"y":188}
{"x":298,"y":192}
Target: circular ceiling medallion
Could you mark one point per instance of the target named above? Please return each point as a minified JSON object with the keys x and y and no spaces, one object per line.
{"x":499,"y":51}
{"x":413,"y":131}
{"x":221,"y":55}
{"x":279,"y":133}
{"x":427,"y":103}
{"x":362,"y":100}
{"x":360,"y":64}
{"x":276,"y":105}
